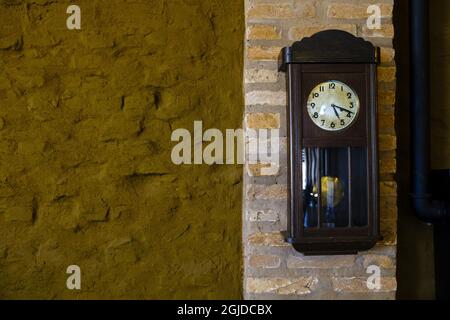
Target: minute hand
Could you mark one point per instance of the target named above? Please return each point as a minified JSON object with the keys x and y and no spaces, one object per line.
{"x":335,"y":112}
{"x":342,"y":109}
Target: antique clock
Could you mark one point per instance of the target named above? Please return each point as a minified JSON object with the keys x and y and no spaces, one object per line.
{"x":332,"y":132}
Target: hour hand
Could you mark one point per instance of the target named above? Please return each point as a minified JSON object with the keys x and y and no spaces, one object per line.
{"x":335,"y":111}
{"x":342,"y":109}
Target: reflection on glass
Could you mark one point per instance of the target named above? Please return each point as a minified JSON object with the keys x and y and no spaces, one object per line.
{"x":328,"y":199}
{"x":334,"y":187}
{"x":310,"y":187}
{"x":332,"y":194}
{"x":359,"y":194}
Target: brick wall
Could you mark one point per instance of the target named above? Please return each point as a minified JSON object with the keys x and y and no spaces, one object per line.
{"x":272,"y":268}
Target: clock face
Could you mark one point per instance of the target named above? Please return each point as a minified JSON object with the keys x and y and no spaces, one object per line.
{"x":333,"y":105}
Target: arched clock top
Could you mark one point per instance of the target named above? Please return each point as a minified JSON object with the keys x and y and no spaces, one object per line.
{"x":330,"y":46}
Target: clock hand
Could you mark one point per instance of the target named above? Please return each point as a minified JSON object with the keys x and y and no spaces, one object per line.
{"x":335,"y":111}
{"x":342,"y":109}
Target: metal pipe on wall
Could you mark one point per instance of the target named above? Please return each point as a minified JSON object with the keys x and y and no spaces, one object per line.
{"x":425,"y":208}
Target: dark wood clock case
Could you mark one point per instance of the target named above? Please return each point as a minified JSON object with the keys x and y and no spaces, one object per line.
{"x":350,"y":153}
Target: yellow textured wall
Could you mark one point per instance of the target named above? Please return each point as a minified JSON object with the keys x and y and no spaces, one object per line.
{"x":85,"y":173}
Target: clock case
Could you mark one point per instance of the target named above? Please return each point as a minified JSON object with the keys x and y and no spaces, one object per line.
{"x":332,"y":55}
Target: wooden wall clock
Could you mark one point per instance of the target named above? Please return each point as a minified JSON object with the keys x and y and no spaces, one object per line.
{"x":333,"y":157}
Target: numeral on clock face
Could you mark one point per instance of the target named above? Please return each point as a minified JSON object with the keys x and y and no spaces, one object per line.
{"x":332,"y":109}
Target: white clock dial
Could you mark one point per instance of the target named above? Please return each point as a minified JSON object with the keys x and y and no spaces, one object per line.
{"x":333,"y":105}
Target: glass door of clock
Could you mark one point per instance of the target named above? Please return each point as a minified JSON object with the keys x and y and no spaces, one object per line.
{"x":334,"y":187}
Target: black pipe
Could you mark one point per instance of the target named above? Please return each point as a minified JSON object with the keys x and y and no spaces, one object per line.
{"x":425,"y":208}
